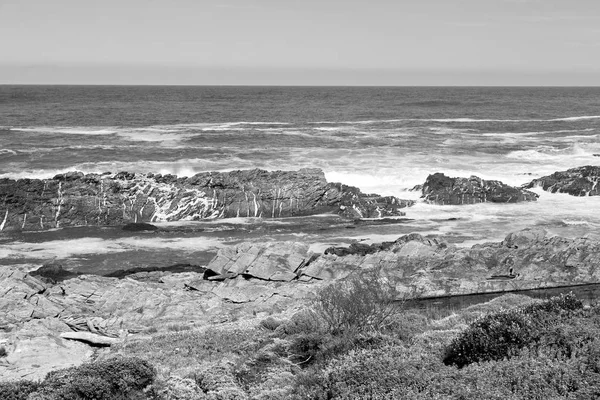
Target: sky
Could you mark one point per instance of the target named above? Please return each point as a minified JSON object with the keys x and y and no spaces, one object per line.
{"x":301,"y":42}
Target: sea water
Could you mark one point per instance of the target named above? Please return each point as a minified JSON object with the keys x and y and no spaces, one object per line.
{"x":382,"y":140}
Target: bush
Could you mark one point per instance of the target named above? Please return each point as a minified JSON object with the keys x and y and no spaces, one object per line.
{"x":18,"y":390}
{"x":270,"y":323}
{"x":563,"y":302}
{"x":116,"y":378}
{"x":364,"y":302}
{"x":505,"y":333}
{"x":305,"y":321}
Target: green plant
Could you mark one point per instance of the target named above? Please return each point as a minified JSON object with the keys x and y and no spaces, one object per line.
{"x":363,"y":302}
{"x":18,"y":390}
{"x":115,"y":378}
{"x":270,"y":323}
{"x":305,"y":321}
{"x":504,"y":333}
{"x":3,"y":352}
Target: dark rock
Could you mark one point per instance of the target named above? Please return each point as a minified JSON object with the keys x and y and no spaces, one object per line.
{"x":358,"y":248}
{"x":53,"y":273}
{"x":124,"y":175}
{"x":69,"y":176}
{"x":581,"y":181}
{"x":441,"y":189}
{"x":73,"y":199}
{"x":176,"y":268}
{"x":139,"y":227}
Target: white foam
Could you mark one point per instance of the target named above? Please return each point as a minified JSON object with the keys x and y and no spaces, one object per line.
{"x":8,"y":152}
{"x":463,"y":120}
{"x":68,"y":130}
{"x":89,"y":245}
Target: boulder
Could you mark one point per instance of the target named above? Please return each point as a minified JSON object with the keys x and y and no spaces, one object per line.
{"x":443,"y":190}
{"x":137,"y":200}
{"x":53,"y":273}
{"x":277,"y":261}
{"x":581,"y":181}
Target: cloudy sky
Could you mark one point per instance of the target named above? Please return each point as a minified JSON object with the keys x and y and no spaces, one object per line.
{"x":308,"y":42}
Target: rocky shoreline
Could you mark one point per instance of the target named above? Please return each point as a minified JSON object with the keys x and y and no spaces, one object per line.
{"x":51,"y":318}
{"x":53,"y":324}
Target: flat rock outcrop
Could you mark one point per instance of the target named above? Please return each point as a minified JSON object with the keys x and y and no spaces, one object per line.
{"x":581,"y":181}
{"x":75,"y":199}
{"x":268,"y":261}
{"x":444,"y":190}
{"x":54,"y":325}
{"x":430,"y":267}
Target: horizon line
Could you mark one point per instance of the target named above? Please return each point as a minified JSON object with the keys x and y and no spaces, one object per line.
{"x":297,"y":85}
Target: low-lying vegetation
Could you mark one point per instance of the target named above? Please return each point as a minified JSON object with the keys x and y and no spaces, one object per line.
{"x":121,"y":378}
{"x":512,"y":347}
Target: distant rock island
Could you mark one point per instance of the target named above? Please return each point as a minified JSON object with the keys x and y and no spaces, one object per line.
{"x":580,"y":181}
{"x":75,"y":199}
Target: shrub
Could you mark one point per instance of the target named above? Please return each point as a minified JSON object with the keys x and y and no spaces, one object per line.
{"x":3,"y":352}
{"x":505,"y":333}
{"x":364,"y":302}
{"x":270,"y":323}
{"x":305,"y":321}
{"x":116,"y":378}
{"x":557,"y":304}
{"x":18,"y":390}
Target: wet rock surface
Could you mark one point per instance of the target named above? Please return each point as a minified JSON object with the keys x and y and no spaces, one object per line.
{"x":581,"y":181}
{"x":75,"y":199}
{"x":444,"y":190}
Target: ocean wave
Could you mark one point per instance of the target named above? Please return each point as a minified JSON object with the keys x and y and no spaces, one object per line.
{"x":68,"y":130}
{"x":555,"y":154}
{"x":536,"y":133}
{"x":7,"y":152}
{"x":462,"y":120}
{"x":91,"y":245}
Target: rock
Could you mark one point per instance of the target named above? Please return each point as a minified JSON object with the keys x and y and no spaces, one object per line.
{"x":139,"y":227}
{"x":581,"y":181}
{"x":90,"y":338}
{"x":53,"y":273}
{"x":142,"y":272}
{"x":441,"y":189}
{"x":268,"y":261}
{"x":359,"y":248}
{"x":33,"y":357}
{"x":136,"y":200}
{"x":430,"y":267}
{"x":524,"y":238}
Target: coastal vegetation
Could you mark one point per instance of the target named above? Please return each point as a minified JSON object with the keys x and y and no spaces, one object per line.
{"x":354,"y":342}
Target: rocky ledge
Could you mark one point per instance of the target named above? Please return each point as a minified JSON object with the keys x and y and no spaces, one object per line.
{"x":443,"y":190}
{"x":580,"y":181}
{"x":46,"y":325}
{"x":75,"y":199}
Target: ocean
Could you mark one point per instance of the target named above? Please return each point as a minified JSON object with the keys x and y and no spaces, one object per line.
{"x":383,"y":140}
